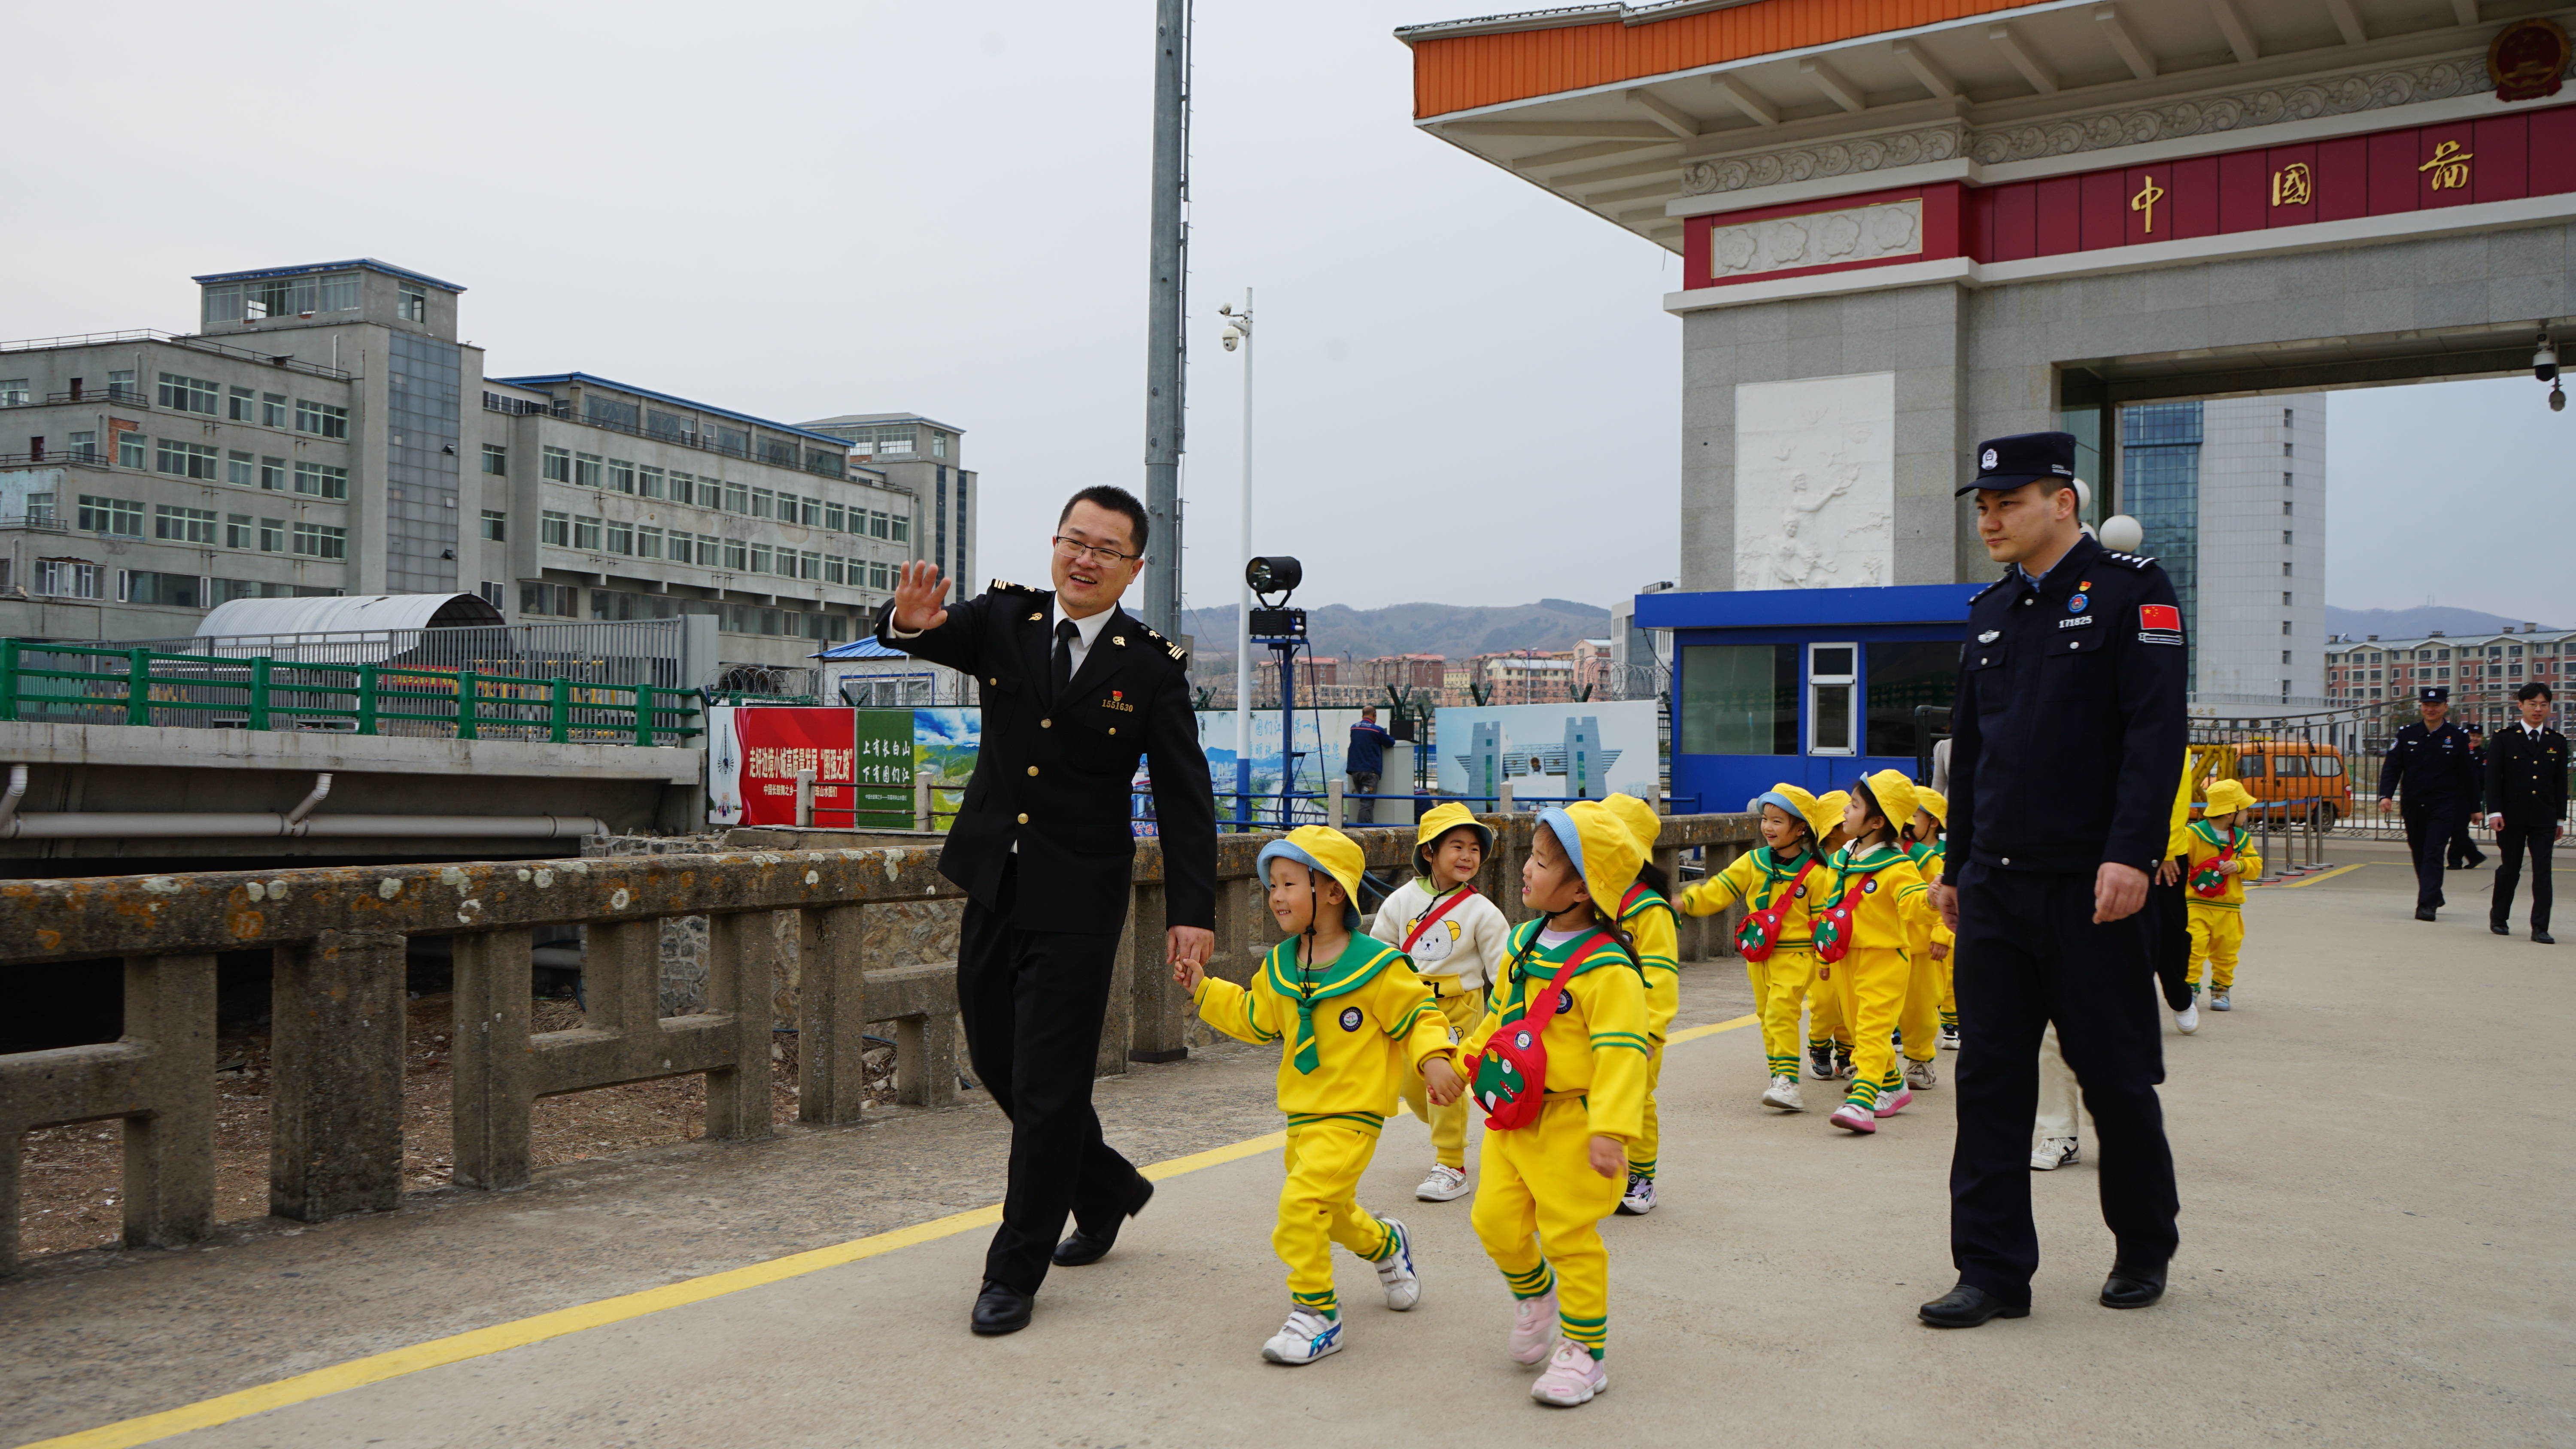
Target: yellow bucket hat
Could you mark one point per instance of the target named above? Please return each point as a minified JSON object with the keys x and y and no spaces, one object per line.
{"x":1439,"y":820}
{"x":1320,"y":847}
{"x":2226,"y":796}
{"x":1641,"y":820}
{"x":1829,"y":813}
{"x":1604,"y":850}
{"x":1933,"y":803}
{"x":1819,"y":816}
{"x":1895,"y":793}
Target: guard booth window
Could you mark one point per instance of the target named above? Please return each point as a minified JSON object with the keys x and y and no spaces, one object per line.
{"x":1739,"y":699}
{"x":1901,"y":679}
{"x":1833,"y":672}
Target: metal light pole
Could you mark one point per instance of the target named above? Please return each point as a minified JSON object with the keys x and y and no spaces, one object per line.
{"x":1164,"y":347}
{"x":1238,"y":332}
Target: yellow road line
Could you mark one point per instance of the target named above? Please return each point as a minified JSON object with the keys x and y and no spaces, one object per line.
{"x":476,"y":1343}
{"x":2291,"y":885}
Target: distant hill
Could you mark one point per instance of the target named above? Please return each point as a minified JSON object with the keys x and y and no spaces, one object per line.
{"x":1453,"y":630}
{"x":2418,"y":622}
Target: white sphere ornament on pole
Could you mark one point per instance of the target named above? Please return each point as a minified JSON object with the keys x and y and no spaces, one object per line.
{"x":2122,"y":534}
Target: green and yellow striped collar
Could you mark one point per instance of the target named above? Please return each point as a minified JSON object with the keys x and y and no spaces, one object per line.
{"x":1357,"y":966}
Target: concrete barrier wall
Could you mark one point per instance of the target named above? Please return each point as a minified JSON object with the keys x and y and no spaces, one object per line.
{"x":828,"y":938}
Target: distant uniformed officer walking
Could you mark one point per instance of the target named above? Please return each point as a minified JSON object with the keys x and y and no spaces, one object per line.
{"x":2066,"y":752}
{"x":2527,"y":800}
{"x":2430,"y":770}
{"x":1074,"y":690}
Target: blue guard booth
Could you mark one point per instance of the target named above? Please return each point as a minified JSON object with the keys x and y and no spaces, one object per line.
{"x":1813,"y":686}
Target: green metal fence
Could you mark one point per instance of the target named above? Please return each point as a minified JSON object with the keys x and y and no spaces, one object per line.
{"x":77,"y":684}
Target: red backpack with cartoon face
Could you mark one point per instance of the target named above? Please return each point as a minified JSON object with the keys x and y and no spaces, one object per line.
{"x":1760,"y":933}
{"x":1511,"y":1072}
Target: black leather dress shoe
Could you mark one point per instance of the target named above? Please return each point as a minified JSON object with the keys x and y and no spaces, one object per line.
{"x":2129,"y":1287}
{"x":1084,"y":1247}
{"x":1967,"y":1306}
{"x":2544,"y":938}
{"x":1000,"y":1309}
{"x":2423,"y":913}
{"x":2499,"y":928}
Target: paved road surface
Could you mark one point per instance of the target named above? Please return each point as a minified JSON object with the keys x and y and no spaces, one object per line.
{"x":2373,"y":1155}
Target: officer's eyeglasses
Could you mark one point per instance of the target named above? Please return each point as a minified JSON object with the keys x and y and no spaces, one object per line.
{"x":1073,"y":549}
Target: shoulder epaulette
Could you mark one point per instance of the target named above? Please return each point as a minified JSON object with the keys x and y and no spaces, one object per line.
{"x":1005,"y":586}
{"x":1990,"y":588}
{"x":2128,"y":560}
{"x":1176,"y":651}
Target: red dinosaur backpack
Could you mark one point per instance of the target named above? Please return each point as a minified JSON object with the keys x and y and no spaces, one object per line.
{"x":1511,"y":1072}
{"x":1760,"y":933}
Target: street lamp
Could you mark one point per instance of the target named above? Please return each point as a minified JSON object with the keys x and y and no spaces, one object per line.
{"x":1238,"y":332}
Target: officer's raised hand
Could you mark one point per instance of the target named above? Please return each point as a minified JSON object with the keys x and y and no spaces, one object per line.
{"x":920,"y":598}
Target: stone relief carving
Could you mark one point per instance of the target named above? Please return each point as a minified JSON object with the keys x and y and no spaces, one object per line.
{"x":2100,"y":130}
{"x":2270,"y":106}
{"x":1854,"y":234}
{"x":1840,"y":158}
{"x":1815,"y":482}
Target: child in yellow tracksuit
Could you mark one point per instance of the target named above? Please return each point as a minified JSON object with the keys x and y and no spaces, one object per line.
{"x":1654,"y":936}
{"x":1546,"y":1185}
{"x":1931,"y":1015}
{"x":1875,"y":897}
{"x":1829,"y":1039}
{"x":1456,"y":939}
{"x":2223,"y":858}
{"x":1788,"y":872}
{"x":1358,"y":1023}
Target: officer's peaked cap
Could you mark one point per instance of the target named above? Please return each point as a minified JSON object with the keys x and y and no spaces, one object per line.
{"x":2023,"y":458}
{"x":2433,"y":694}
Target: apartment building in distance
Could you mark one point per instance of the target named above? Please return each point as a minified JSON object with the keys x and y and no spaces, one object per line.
{"x":324,"y":432}
{"x":924,"y":456}
{"x":2482,"y":671}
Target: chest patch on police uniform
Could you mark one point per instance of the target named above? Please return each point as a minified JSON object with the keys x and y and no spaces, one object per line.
{"x":1117,"y":700}
{"x":2078,"y":622}
{"x":1350,"y":1018}
{"x":1990,"y":636}
{"x":2078,"y":604}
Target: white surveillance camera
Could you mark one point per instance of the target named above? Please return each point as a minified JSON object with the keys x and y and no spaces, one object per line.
{"x":2544,"y":361}
{"x":1233,"y":335}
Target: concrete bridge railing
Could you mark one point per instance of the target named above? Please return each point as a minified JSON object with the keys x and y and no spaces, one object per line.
{"x":786,"y":934}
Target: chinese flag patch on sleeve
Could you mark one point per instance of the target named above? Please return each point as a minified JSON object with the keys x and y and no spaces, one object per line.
{"x":2159,"y":624}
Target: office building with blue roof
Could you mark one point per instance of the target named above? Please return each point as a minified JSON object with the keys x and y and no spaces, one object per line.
{"x":324,"y":431}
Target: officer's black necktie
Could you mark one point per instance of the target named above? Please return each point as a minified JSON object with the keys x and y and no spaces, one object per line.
{"x":1066,"y":631}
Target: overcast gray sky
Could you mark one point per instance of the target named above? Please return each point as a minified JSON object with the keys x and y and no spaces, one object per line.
{"x":1469,"y":391}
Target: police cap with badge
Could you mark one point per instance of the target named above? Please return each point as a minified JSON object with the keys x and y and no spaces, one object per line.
{"x":2433,"y":694}
{"x":2022,"y":458}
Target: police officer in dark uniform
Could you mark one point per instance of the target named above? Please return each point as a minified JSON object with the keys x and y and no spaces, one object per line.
{"x":1074,"y":690}
{"x":2461,"y":852}
{"x":2428,"y":765}
{"x":2067,"y":747}
{"x":2526,"y":800}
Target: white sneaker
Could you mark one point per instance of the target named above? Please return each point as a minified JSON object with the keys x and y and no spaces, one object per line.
{"x":1784,"y":1095}
{"x":1921,"y":1076}
{"x":2187,"y":1020}
{"x":1949,"y":1038}
{"x":1891,"y":1103}
{"x":1573,"y":1376}
{"x":1442,"y":1184}
{"x":2052,"y":1153}
{"x":1639,"y":1199}
{"x":1304,"y":1338}
{"x":2218,"y":1002}
{"x":1533,"y":1327}
{"x":1395,"y":1271}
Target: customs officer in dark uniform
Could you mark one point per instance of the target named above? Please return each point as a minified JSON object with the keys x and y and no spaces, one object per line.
{"x":2526,"y":801}
{"x":2066,"y":750}
{"x":2428,"y":768}
{"x":1074,"y":690}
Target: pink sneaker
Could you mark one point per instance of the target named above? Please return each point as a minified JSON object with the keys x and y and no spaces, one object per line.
{"x":1854,"y":1117}
{"x":1533,"y":1327}
{"x":1891,"y":1103}
{"x":1573,"y":1376}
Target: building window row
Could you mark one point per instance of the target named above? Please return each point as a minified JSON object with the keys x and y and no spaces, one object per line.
{"x":616,"y":475}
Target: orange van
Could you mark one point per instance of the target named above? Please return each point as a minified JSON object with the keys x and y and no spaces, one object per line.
{"x":2295,"y":780}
